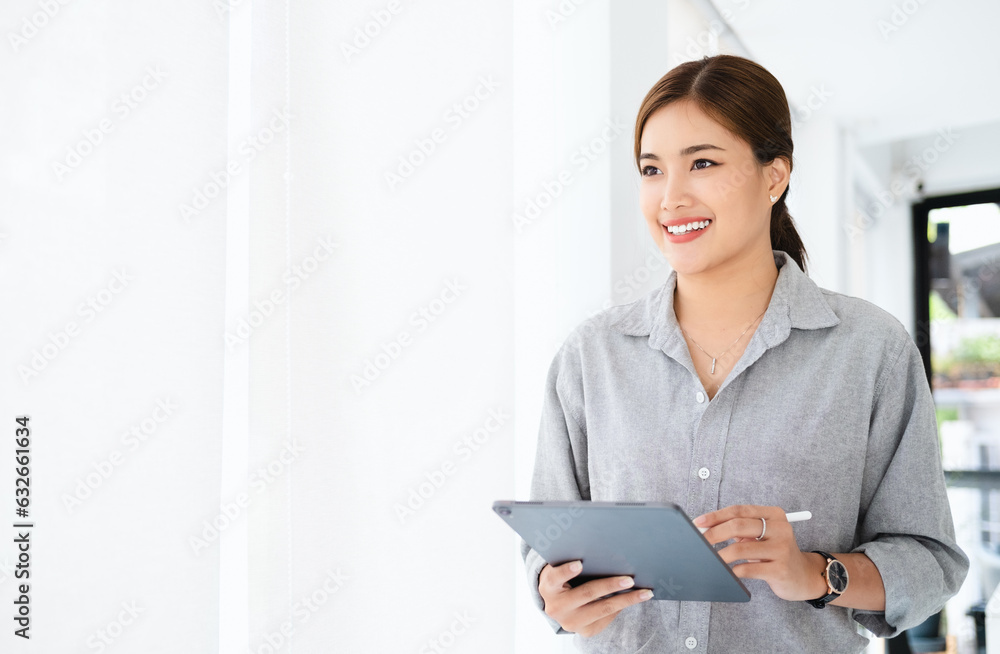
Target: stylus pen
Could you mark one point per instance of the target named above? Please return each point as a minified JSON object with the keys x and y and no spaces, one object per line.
{"x":796,"y":516}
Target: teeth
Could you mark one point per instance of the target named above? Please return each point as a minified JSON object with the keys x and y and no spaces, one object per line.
{"x":683,"y":229}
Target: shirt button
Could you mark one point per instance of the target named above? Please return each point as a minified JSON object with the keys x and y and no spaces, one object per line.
{"x":691,"y":642}
{"x":704,"y":473}
{"x":700,"y":397}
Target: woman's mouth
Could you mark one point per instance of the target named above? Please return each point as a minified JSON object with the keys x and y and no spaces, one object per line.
{"x":695,"y":226}
{"x":686,"y":232}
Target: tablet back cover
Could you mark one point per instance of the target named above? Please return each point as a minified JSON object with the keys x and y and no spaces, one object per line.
{"x":655,"y":543}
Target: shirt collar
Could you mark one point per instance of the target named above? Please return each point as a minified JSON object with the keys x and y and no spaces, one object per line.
{"x":796,"y":303}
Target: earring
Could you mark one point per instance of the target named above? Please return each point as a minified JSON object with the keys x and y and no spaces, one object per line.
{"x":773,"y":198}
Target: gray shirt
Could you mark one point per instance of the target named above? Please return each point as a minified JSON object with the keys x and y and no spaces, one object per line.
{"x":828,"y":410}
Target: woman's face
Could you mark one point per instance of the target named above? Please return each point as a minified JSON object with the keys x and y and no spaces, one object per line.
{"x":696,"y":173}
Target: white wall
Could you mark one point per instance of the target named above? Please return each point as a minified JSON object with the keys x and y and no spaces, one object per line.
{"x":126,"y":405}
{"x":641,"y":53}
{"x":952,"y":159}
{"x":884,"y":231}
{"x":441,"y":240}
{"x":816,"y":202}
{"x":562,"y":150}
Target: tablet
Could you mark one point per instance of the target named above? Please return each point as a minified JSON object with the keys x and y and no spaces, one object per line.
{"x":653,"y":542}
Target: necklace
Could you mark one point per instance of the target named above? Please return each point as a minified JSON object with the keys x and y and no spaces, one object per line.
{"x":712,"y":372}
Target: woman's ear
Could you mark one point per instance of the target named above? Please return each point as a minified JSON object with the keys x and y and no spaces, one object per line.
{"x":778,"y":173}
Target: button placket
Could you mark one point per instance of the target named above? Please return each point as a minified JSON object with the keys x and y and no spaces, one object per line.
{"x":705,"y":476}
{"x":707,"y":452}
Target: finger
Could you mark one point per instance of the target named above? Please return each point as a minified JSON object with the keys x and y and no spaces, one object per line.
{"x":753,"y":570}
{"x":745,"y":526}
{"x":554,"y":577}
{"x":597,"y":589}
{"x":738,"y":511}
{"x":736,"y":528}
{"x":595,"y":628}
{"x":609,"y":607}
{"x":778,"y":544}
{"x":713,"y":518}
{"x":750,"y":551}
{"x":741,"y":528}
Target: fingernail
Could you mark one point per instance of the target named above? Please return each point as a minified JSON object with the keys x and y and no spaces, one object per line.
{"x":646,"y":594}
{"x":700,"y":520}
{"x":626,"y":582}
{"x":575,"y":566}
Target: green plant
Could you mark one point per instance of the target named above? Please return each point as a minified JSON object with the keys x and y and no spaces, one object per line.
{"x":978,"y":349}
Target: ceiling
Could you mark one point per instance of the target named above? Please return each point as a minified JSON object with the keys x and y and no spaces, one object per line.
{"x":893,"y":69}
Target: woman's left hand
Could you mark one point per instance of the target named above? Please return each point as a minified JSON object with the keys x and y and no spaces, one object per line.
{"x":776,"y":558}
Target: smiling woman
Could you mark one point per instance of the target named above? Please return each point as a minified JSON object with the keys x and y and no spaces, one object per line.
{"x":750,"y":140}
{"x":740,"y":390}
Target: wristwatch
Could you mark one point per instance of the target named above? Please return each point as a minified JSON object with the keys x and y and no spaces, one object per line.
{"x":836,"y":580}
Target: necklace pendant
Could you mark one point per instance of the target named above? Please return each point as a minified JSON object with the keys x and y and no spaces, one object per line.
{"x":713,"y":367}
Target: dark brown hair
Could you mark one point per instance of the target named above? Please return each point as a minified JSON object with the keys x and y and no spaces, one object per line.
{"x":743,"y":97}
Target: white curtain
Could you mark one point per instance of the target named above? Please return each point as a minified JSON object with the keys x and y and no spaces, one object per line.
{"x":259,"y":290}
{"x":113,"y":115}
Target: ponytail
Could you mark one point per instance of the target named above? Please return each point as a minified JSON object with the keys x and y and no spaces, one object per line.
{"x":784,"y":236}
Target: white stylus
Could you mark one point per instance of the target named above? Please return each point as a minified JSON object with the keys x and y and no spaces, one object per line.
{"x":795,"y":516}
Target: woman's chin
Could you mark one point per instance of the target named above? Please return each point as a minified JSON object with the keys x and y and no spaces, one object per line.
{"x":685,"y":263}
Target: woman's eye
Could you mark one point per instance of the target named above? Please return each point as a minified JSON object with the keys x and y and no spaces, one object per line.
{"x":700,"y":161}
{"x":648,"y":170}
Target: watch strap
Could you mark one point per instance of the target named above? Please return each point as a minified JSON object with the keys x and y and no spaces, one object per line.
{"x":832,"y":595}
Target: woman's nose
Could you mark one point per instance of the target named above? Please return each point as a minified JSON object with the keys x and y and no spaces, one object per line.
{"x":675,"y":193}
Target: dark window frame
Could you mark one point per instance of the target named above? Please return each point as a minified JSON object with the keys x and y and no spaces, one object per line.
{"x":920,"y":212}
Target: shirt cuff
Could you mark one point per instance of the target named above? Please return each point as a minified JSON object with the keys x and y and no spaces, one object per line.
{"x":874,"y":621}
{"x":534,"y":563}
{"x":911,"y":591}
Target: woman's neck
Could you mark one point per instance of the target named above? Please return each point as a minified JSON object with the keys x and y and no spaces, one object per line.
{"x":727,"y":297}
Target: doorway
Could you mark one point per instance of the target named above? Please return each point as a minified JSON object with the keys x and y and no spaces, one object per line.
{"x":957,"y":310}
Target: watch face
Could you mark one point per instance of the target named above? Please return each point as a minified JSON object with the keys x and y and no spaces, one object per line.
{"x":837,"y":576}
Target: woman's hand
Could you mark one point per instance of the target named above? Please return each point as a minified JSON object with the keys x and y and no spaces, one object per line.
{"x":585,"y":609}
{"x":776,"y":558}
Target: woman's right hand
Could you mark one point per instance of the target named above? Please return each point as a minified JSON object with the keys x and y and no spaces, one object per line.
{"x":585,"y":609}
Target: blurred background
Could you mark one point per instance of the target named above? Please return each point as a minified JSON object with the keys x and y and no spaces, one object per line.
{"x":282,"y":282}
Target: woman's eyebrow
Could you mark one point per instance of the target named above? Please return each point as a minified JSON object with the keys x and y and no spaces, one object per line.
{"x":691,"y":149}
{"x":698,"y":148}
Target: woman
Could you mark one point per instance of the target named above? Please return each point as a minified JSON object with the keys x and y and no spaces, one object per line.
{"x":739,"y":391}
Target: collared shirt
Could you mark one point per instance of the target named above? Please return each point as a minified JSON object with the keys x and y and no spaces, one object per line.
{"x":828,"y":410}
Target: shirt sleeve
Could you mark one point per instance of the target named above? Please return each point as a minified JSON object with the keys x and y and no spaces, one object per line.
{"x":905,"y":525}
{"x":560,"y":471}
